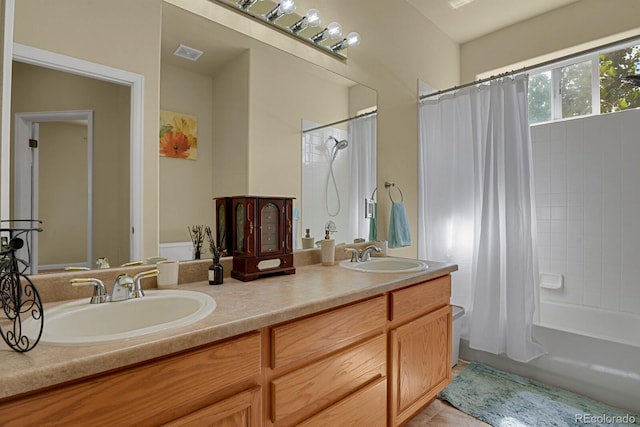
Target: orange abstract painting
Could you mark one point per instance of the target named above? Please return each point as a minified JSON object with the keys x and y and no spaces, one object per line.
{"x":178,"y":135}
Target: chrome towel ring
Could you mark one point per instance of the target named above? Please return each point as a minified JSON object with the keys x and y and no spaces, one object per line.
{"x":388,"y":186}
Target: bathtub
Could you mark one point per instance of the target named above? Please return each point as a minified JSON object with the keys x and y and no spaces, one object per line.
{"x":606,"y":325}
{"x":590,"y":351}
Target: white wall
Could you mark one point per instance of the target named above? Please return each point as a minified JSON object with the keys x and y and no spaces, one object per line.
{"x":588,"y":206}
{"x":575,"y":27}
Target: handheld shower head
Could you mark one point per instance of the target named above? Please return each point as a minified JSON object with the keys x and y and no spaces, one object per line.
{"x":341,"y":145}
{"x":338,"y":145}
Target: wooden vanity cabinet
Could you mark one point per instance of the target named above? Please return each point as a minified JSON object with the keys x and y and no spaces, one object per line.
{"x":220,"y":381}
{"x":373,"y":362}
{"x":419,"y":346}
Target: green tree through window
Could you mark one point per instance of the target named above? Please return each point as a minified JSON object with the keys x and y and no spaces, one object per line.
{"x":614,"y":94}
{"x":568,"y":89}
{"x":575,"y":84}
{"x":540,"y":97}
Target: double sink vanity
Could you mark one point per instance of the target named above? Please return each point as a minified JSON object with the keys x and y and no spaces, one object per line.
{"x":350,"y":344}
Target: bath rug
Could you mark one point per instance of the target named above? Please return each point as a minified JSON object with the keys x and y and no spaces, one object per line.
{"x":507,"y":400}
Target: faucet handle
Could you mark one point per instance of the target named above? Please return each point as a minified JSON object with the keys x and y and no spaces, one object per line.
{"x":99,"y":292}
{"x":136,"y":291}
{"x":146,"y":274}
{"x":354,"y":254}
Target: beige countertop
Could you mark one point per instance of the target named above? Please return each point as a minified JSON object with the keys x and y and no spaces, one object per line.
{"x":241,"y":307}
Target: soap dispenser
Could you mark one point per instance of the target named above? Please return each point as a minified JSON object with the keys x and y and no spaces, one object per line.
{"x":328,"y":245}
{"x":307,"y":240}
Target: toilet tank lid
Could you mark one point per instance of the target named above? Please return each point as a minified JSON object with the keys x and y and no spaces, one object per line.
{"x":457,"y":311}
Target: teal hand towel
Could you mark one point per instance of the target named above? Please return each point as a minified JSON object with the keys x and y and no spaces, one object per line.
{"x":373,"y":226}
{"x":399,"y":233}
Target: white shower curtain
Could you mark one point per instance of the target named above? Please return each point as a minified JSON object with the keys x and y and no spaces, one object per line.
{"x":362,"y":140}
{"x":476,"y":209}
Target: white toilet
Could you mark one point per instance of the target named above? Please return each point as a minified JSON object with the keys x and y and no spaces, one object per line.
{"x":458,"y":312}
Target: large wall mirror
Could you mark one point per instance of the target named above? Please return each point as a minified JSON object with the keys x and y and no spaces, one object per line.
{"x":250,"y":100}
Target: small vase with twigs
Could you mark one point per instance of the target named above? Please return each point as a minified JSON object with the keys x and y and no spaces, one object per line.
{"x":196,"y":232}
{"x":216,"y":272}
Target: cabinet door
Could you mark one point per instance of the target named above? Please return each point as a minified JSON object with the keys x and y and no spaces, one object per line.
{"x":241,"y":410}
{"x":243,"y":226}
{"x":421,"y":363}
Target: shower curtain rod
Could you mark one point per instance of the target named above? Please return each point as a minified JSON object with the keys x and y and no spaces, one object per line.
{"x":359,"y":116}
{"x":532,"y":67}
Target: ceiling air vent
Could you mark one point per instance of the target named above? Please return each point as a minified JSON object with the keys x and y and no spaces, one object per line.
{"x":187,"y":52}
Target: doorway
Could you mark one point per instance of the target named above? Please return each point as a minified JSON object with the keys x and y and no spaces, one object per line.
{"x":54,"y":171}
{"x":135,"y":83}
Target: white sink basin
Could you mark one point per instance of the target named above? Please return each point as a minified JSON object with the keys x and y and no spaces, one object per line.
{"x":78,"y":322}
{"x":386,"y":265}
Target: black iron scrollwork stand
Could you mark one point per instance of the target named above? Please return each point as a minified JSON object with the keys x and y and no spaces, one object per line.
{"x":19,"y":298}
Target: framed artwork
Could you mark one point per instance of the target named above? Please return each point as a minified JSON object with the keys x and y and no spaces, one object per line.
{"x":178,"y":135}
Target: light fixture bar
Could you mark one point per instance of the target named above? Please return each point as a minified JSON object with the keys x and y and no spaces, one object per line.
{"x":273,"y":13}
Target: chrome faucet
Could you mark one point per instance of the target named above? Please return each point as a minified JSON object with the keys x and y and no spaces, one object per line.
{"x":124,"y":287}
{"x":364,"y":255}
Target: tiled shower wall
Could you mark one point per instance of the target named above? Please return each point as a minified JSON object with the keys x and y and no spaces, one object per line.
{"x":587,"y":177}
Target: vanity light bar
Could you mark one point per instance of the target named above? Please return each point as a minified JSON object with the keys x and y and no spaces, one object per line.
{"x":280,"y":15}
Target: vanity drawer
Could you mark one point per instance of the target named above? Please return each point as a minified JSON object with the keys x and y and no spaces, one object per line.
{"x":306,"y":390}
{"x":367,"y":407}
{"x":327,"y":332}
{"x":415,"y":300}
{"x":149,"y":393}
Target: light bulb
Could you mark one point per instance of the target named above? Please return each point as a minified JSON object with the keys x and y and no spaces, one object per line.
{"x":353,"y":39}
{"x":313,"y":17}
{"x":334,"y":30}
{"x":287,"y":6}
{"x":246,"y":4}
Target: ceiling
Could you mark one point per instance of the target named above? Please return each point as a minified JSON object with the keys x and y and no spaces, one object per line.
{"x":471,"y":19}
{"x":465,"y":20}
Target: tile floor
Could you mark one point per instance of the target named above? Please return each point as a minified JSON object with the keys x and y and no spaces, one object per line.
{"x":440,"y":414}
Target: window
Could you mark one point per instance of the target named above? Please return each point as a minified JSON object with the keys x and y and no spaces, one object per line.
{"x":613,"y":65}
{"x":590,"y":84}
{"x":575,"y":89}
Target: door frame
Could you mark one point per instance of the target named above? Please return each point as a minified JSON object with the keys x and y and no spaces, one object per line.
{"x":26,"y":182}
{"x":135,"y":82}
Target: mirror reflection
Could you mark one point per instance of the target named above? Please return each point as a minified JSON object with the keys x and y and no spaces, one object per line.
{"x":249,"y":99}
{"x":338,"y":175}
{"x":260,"y":97}
{"x":83,"y":202}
